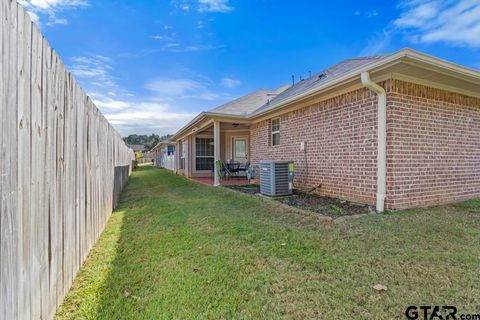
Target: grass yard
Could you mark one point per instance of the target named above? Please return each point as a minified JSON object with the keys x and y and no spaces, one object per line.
{"x":176,"y":249}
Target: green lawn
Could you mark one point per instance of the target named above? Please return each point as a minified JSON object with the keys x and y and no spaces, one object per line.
{"x":175,"y":249}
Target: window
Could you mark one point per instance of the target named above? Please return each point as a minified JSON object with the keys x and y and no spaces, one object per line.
{"x":240,"y":148}
{"x":204,"y":154}
{"x":275,"y":139}
{"x":170,"y":150}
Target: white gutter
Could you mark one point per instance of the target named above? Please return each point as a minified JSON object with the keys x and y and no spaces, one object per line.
{"x":381,"y":139}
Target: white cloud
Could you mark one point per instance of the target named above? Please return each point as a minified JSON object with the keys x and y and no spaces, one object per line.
{"x":48,"y":5}
{"x":133,"y":115}
{"x":153,"y":115}
{"x":94,"y":67}
{"x":106,"y":103}
{"x":416,"y":15}
{"x":183,"y":89}
{"x":214,"y":6}
{"x":372,"y":14}
{"x":183,"y":5}
{"x":147,"y":117}
{"x":175,"y":87}
{"x":171,"y":43}
{"x":130,"y":114}
{"x":50,"y":8}
{"x":52,"y":4}
{"x":454,"y":23}
{"x":173,"y":47}
{"x":35,"y":18}
{"x":156,"y":111}
{"x":162,"y":37}
{"x":377,"y":43}
{"x":369,"y":14}
{"x":160,"y":109}
{"x":57,"y":21}
{"x":191,"y":48}
{"x":229,"y":82}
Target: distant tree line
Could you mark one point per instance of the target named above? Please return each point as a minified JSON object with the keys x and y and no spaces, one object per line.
{"x":149,"y":141}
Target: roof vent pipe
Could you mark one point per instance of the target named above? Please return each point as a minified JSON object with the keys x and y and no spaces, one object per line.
{"x":293,"y":80}
{"x":381,"y":139}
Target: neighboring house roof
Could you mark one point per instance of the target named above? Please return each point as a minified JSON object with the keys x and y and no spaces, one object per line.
{"x":247,"y":104}
{"x":136,"y":147}
{"x":163,"y":143}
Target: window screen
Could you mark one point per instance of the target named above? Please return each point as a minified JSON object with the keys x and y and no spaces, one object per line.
{"x":204,"y":154}
{"x":275,"y":139}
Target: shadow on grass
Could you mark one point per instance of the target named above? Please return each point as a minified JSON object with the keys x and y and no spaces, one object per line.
{"x":175,"y":256}
{"x":189,"y":251}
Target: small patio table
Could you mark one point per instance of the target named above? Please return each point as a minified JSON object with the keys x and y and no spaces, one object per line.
{"x":232,"y":167}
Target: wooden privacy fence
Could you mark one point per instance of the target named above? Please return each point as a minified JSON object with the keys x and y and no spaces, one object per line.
{"x":62,"y":167}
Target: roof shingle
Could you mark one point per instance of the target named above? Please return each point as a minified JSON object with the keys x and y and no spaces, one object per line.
{"x":319,"y":79}
{"x":247,"y":104}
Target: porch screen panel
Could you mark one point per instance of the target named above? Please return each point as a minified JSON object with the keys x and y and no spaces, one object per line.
{"x":204,"y":154}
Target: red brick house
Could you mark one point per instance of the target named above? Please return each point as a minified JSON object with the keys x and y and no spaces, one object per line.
{"x":396,"y":131}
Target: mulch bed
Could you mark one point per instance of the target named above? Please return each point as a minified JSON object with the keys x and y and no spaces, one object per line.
{"x":328,"y":206}
{"x":247,"y":188}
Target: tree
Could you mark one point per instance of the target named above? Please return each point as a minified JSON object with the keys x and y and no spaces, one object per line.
{"x":148,"y":141}
{"x":138,"y":156}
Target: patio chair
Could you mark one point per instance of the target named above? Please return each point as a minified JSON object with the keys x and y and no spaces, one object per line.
{"x":233,"y":167}
{"x":225,"y":171}
{"x":244,"y":167}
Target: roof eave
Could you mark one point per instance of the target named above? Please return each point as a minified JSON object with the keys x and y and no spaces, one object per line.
{"x":225,"y":115}
{"x":183,"y":130}
{"x":203,"y":115}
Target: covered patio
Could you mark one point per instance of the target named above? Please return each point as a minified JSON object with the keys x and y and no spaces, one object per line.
{"x":222,"y":142}
{"x":220,"y":137}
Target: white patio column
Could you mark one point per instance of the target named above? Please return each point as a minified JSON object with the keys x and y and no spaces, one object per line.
{"x":216,"y":150}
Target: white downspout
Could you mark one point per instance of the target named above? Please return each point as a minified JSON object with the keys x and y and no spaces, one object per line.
{"x":381,"y":139}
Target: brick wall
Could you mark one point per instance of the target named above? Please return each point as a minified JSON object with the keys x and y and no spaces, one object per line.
{"x":433,"y":146}
{"x":340,"y":136}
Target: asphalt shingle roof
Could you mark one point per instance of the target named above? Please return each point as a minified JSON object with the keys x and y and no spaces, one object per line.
{"x":247,"y":104}
{"x":136,"y":147}
{"x":319,"y":79}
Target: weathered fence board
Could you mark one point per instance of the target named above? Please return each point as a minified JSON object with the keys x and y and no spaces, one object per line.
{"x":24,"y":154}
{"x":62,"y":168}
{"x":8,"y":162}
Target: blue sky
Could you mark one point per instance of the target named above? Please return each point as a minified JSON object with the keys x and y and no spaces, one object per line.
{"x":151,"y":66}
